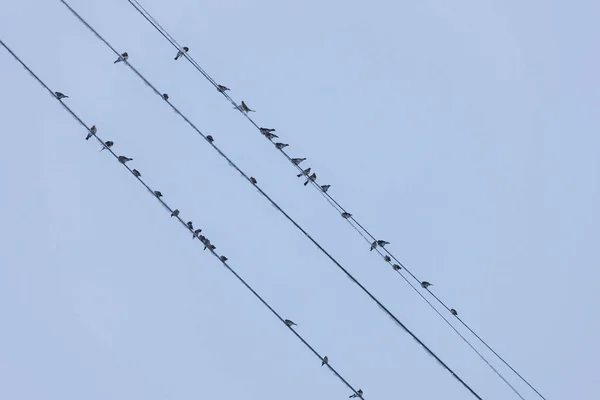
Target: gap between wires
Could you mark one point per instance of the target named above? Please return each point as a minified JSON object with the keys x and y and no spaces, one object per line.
{"x":369,"y":238}
{"x":164,"y":204}
{"x":264,"y":194}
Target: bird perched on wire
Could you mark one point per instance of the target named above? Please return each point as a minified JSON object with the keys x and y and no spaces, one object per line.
{"x":304,"y":172}
{"x":360,"y":393}
{"x":313,"y":178}
{"x":222,"y":88}
{"x":107,"y":145}
{"x":297,"y":161}
{"x":136,"y":173}
{"x":175,"y":213}
{"x":264,"y":131}
{"x":190,"y":225}
{"x":290,"y":323}
{"x":425,"y":284}
{"x":181,"y":52}
{"x":387,"y":258}
{"x":122,"y":57}
{"x":325,"y":188}
{"x":196,"y":233}
{"x":396,"y":267}
{"x":346,"y":215}
{"x":223,"y":258}
{"x":244,"y":108}
{"x":253,"y":180}
{"x":380,"y":243}
{"x":453,"y":312}
{"x":60,"y":96}
{"x":165,"y":96}
{"x":210,"y":139}
{"x":325,"y":361}
{"x":281,"y":145}
{"x":271,"y":136}
{"x":157,"y":194}
{"x":123,"y":159}
{"x":92,"y":132}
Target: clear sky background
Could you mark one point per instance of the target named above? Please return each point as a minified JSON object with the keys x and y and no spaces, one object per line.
{"x":465,"y":133}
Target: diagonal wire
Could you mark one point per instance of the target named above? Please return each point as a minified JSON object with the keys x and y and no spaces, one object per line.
{"x":381,"y":306}
{"x":164,"y":204}
{"x":357,"y":226}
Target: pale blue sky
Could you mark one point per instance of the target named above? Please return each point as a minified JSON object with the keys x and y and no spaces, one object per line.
{"x":465,"y":134}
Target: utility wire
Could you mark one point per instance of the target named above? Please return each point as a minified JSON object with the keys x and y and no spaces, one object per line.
{"x":357,"y":226}
{"x":164,"y":204}
{"x":381,"y":306}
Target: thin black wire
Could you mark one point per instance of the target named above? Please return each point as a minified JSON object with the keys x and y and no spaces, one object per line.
{"x":329,"y":198}
{"x":259,"y":297}
{"x":389,"y":313}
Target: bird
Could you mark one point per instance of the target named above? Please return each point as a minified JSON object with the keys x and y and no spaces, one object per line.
{"x":281,"y":145}
{"x":360,"y":393}
{"x":264,"y":131}
{"x":387,"y":258}
{"x":396,"y":267}
{"x":270,"y":136}
{"x":425,"y":284}
{"x":59,"y":95}
{"x":136,"y":173}
{"x":223,"y":258}
{"x":253,"y":180}
{"x":325,"y":188}
{"x":190,"y":225}
{"x":175,"y":213}
{"x":107,"y":145}
{"x":290,"y":323}
{"x":196,"y":233}
{"x":165,"y":96}
{"x":122,"y":57}
{"x":313,"y":178}
{"x":305,"y":172}
{"x":123,"y":159}
{"x":180,"y":53}
{"x":380,"y":243}
{"x":453,"y":312}
{"x":157,"y":194}
{"x":208,"y":244}
{"x":222,"y":88}
{"x":243,"y":107}
{"x":325,"y":361}
{"x":92,"y":132}
{"x":210,"y":139}
{"x":346,"y":215}
{"x":297,"y":161}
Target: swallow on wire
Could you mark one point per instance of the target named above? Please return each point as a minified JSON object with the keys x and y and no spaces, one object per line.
{"x":157,"y":194}
{"x":123,"y":159}
{"x":244,"y":108}
{"x":313,"y":178}
{"x":196,"y":233}
{"x":396,"y":267}
{"x":190,"y":225}
{"x":92,"y":132}
{"x":223,"y":258}
{"x":305,"y":172}
{"x":380,"y":243}
{"x":136,"y":173}
{"x":60,"y":96}
{"x":122,"y":57}
{"x":271,"y":136}
{"x":165,"y":96}
{"x":290,"y":323}
{"x":222,"y":88}
{"x":297,"y":161}
{"x":175,"y":213}
{"x":425,"y":284}
{"x":387,"y":258}
{"x":325,"y":188}
{"x":264,"y":131}
{"x":107,"y":145}
{"x":346,"y":215}
{"x":253,"y":180}
{"x":210,"y":139}
{"x":325,"y":361}
{"x":453,"y":312}
{"x":281,"y":145}
{"x":360,"y":393}
{"x":180,"y":53}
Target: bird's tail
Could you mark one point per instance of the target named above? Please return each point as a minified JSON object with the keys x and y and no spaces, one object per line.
{"x":102,"y":148}
{"x":306,"y":183}
{"x":299,"y":175}
{"x":117,"y":61}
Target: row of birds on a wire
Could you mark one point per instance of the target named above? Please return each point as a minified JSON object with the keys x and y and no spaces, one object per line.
{"x":270,"y":135}
{"x":190,"y":225}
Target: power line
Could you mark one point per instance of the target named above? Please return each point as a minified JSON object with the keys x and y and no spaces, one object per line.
{"x":224,"y":262}
{"x":357,"y":226}
{"x":389,"y":313}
